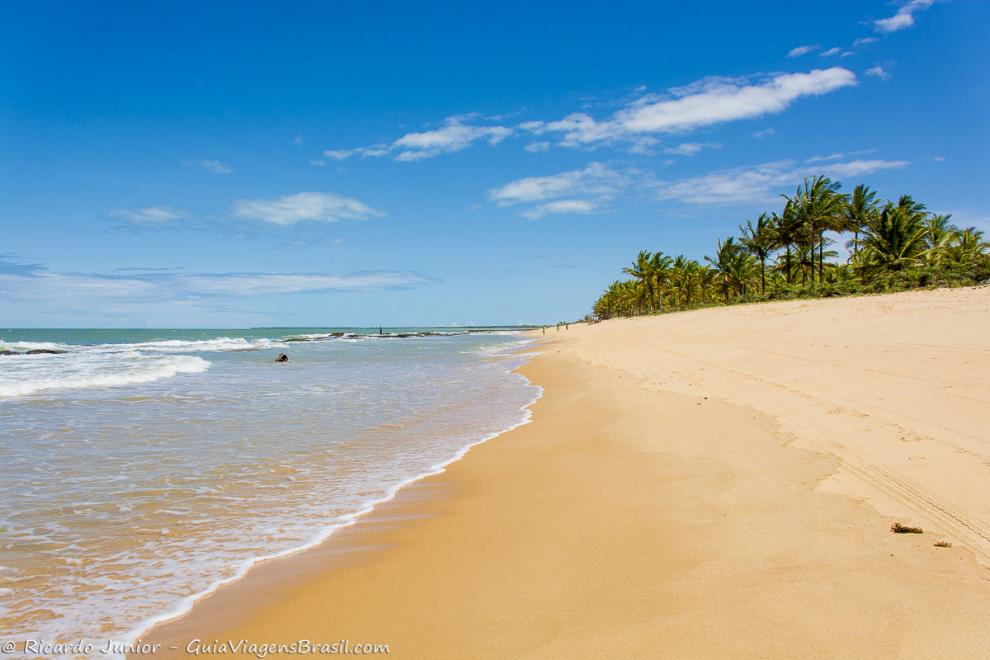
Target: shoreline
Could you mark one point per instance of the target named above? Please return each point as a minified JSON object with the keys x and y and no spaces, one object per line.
{"x":700,"y":526}
{"x":185,"y":606}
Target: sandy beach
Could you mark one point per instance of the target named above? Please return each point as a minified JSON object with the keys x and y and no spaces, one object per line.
{"x":703,"y":484}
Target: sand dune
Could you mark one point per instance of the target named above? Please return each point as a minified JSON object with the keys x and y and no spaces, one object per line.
{"x":684,"y":491}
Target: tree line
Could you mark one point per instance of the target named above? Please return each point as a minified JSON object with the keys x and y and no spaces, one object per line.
{"x":891,"y":246}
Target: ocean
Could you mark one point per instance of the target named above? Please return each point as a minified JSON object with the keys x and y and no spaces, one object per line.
{"x":141,"y":469}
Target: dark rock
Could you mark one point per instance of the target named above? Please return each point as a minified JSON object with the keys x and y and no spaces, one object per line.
{"x":6,"y":352}
{"x":281,"y":357}
{"x":44,"y":351}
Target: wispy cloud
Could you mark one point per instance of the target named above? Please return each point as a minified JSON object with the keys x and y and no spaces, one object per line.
{"x":802,"y":50}
{"x":878,"y":72}
{"x":595,"y":179}
{"x":904,"y":18}
{"x":298,"y":140}
{"x":765,"y":133}
{"x":144,"y":290}
{"x":690,"y":148}
{"x":862,"y":41}
{"x":454,"y":135}
{"x":537,"y":147}
{"x":562,"y":207}
{"x":150,"y":215}
{"x":576,"y":191}
{"x":216,"y":166}
{"x":835,"y":50}
{"x":838,"y":155}
{"x":705,"y":103}
{"x":302,"y":207}
{"x":761,"y":183}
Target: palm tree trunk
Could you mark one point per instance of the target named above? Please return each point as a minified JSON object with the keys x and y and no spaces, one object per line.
{"x":787,"y":261}
{"x":821,"y":257}
{"x":763,"y":277}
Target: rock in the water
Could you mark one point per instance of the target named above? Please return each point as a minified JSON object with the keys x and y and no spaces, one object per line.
{"x":6,"y":352}
{"x":281,"y":357}
{"x":44,"y":351}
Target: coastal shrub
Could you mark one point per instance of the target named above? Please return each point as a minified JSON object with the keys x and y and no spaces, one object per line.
{"x":898,"y":528}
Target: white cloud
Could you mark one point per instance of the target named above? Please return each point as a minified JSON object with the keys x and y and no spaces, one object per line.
{"x":766,"y":132}
{"x":595,"y":180}
{"x":304,"y":206}
{"x":690,"y":148}
{"x":939,"y":159}
{"x":216,"y":166}
{"x":830,"y":52}
{"x":904,"y":18}
{"x":704,"y":103}
{"x":878,"y":72}
{"x":561,"y":207}
{"x":761,"y":183}
{"x":453,"y":136}
{"x":801,"y":50}
{"x":581,"y":191}
{"x":148,"y":214}
{"x":256,"y":284}
{"x":537,"y":147}
{"x":862,"y":41}
{"x":139,"y":286}
{"x":838,"y":155}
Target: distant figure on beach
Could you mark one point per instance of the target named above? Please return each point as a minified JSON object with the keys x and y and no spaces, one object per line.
{"x":281,"y":357}
{"x":544,"y":329}
{"x":567,"y":326}
{"x":380,"y":330}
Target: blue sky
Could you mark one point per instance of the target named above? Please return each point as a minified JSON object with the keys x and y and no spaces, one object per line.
{"x":236,"y":164}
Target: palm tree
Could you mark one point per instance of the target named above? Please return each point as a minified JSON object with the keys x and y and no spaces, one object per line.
{"x":642,"y":269}
{"x":861,"y":207}
{"x":894,"y":240}
{"x":939,"y":236}
{"x":898,"y":237}
{"x":819,"y":205}
{"x":734,"y":266}
{"x":787,"y":227}
{"x":760,"y":241}
{"x":660,"y":270}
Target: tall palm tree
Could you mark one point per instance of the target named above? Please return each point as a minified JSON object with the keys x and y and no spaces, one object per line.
{"x":660,"y":271}
{"x":862,"y":206}
{"x":642,"y":269}
{"x":820,"y":207}
{"x":787,"y":229}
{"x":760,"y":241}
{"x":734,"y":267}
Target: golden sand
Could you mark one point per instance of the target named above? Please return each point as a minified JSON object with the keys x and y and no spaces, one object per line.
{"x":706,"y":484}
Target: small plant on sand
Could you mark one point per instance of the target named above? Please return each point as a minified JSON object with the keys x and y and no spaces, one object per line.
{"x":898,"y":528}
{"x":942,"y":544}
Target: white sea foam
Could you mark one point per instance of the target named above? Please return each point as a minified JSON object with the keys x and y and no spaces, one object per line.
{"x":30,"y":374}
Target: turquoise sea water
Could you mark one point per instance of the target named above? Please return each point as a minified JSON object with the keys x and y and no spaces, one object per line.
{"x":143,"y":467}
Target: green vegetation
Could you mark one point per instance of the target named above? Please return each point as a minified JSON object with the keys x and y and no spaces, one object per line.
{"x":893,"y":246}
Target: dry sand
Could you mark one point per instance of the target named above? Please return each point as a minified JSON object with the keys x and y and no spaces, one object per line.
{"x":706,"y":484}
